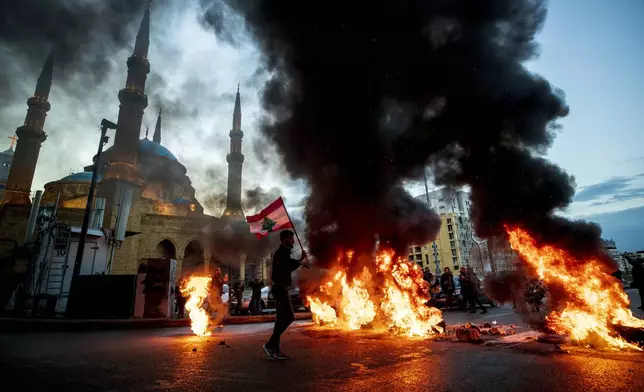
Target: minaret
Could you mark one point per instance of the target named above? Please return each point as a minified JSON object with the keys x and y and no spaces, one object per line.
{"x":235,"y":161}
{"x":157,"y":130}
{"x":133,"y":102}
{"x":121,"y":179}
{"x":30,"y":136}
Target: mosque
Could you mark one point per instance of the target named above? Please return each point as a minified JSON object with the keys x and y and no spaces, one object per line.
{"x":165,"y":218}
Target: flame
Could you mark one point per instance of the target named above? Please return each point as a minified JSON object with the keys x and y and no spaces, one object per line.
{"x":396,"y":302}
{"x":197,"y":289}
{"x":595,"y":302}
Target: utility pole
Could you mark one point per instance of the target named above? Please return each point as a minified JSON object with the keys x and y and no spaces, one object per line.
{"x":105,"y":125}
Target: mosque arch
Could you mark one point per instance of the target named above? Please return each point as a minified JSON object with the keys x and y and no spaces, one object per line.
{"x":193,"y":258}
{"x":165,"y":250}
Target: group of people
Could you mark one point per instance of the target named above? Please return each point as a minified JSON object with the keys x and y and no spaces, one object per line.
{"x":215,"y":302}
{"x":469,"y":283}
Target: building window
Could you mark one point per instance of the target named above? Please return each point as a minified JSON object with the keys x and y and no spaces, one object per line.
{"x":449,"y":227}
{"x":449,"y":221}
{"x":452,"y":244}
{"x":419,"y":257}
{"x":417,"y":249}
{"x":454,"y":260}
{"x":411,"y":257}
{"x":425,"y":247}
{"x":451,"y":236}
{"x":454,"y":252}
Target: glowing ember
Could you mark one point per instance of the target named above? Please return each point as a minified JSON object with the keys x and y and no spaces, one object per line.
{"x":595,"y":301}
{"x":389,"y":293}
{"x":197,"y":289}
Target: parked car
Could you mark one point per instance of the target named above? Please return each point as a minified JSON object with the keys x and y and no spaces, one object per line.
{"x":296,"y":301}
{"x":245,"y":305}
{"x":225,"y":294}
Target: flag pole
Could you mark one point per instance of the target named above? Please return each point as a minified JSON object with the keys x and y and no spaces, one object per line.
{"x":295,"y":231}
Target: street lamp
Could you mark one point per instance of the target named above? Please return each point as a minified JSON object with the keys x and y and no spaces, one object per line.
{"x":105,"y":125}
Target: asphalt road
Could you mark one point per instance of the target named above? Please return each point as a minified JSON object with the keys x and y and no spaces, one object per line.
{"x":323,"y":360}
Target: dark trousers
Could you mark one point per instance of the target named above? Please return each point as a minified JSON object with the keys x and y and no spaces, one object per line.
{"x":641,"y":291}
{"x":449,"y":298}
{"x":181,"y":307}
{"x":474,"y":300}
{"x":255,"y":305}
{"x":239,"y":297}
{"x":285,"y":315}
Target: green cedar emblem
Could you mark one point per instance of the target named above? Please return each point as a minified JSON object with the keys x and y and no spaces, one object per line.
{"x":268,"y":224}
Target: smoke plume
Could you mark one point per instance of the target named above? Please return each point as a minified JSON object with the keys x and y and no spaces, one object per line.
{"x":83,"y":34}
{"x":363,"y":96}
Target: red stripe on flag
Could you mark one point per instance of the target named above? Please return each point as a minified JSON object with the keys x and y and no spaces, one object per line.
{"x":266,"y":211}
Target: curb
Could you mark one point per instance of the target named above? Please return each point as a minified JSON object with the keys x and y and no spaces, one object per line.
{"x":25,"y":325}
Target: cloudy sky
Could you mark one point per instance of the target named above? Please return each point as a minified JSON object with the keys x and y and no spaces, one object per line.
{"x":589,"y":48}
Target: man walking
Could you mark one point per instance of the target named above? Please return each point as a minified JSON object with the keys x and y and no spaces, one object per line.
{"x":283,"y":266}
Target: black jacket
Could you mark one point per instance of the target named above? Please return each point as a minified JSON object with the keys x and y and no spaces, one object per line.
{"x":283,"y":266}
{"x":447,"y":281}
{"x":257,"y":288}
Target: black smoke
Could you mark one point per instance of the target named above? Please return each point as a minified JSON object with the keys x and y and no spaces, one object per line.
{"x":363,"y":95}
{"x":84,"y":36}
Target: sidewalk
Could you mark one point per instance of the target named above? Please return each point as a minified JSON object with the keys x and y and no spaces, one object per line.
{"x":27,"y":325}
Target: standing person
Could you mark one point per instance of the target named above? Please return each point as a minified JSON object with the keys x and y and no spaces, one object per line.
{"x":238,"y":290}
{"x":216,"y":289}
{"x":535,"y":293}
{"x":427,"y":275}
{"x":283,"y":266}
{"x":475,"y":288}
{"x":465,"y":287}
{"x":638,"y":279}
{"x":447,"y":285}
{"x":181,"y":302}
{"x":256,"y":285}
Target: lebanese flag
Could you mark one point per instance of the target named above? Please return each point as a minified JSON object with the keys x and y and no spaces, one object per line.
{"x":272,"y":218}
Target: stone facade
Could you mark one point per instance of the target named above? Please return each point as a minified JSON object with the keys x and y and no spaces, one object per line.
{"x":165,"y":218}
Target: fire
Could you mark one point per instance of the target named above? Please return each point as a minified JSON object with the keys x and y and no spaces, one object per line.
{"x":197,"y":289}
{"x":388,"y":293}
{"x":596,"y":301}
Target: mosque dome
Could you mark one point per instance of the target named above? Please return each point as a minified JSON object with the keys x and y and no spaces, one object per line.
{"x":85,"y":176}
{"x":182,"y":200}
{"x":149,"y":148}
